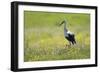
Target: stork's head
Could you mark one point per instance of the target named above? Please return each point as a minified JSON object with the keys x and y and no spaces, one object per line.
{"x":62,"y":22}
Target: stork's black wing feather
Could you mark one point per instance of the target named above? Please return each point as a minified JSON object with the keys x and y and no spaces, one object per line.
{"x":71,"y":38}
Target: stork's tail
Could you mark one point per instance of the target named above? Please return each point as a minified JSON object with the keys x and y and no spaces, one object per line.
{"x":74,"y":42}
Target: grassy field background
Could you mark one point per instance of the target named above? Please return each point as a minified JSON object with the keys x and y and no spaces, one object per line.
{"x":44,"y":39}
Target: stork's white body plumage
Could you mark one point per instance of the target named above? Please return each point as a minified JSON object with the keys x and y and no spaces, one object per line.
{"x":67,"y":33}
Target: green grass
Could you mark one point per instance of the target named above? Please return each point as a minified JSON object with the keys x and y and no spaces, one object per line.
{"x":44,"y":39}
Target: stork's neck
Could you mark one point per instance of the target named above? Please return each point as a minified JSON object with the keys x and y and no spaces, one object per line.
{"x":65,"y":29}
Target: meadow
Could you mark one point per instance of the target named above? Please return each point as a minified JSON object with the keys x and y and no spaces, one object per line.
{"x":44,"y":39}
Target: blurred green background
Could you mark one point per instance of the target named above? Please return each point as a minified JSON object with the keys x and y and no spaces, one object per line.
{"x":44,"y":39}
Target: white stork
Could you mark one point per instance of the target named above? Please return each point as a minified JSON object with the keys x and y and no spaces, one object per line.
{"x":67,"y":34}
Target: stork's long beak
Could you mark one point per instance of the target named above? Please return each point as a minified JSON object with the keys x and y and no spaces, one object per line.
{"x":61,"y":23}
